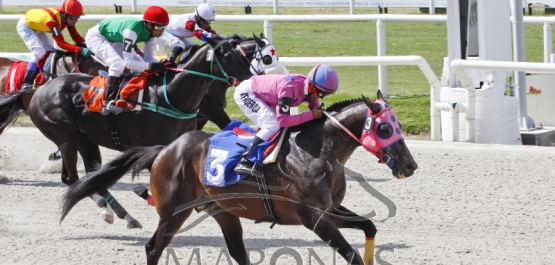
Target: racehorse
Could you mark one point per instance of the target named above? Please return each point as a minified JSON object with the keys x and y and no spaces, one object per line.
{"x":306,"y":183}
{"x":58,"y":110}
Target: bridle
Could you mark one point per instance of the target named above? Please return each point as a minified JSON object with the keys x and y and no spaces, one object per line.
{"x":369,"y":138}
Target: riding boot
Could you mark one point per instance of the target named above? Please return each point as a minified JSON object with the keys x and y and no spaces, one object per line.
{"x":29,"y":79}
{"x":111,"y":93}
{"x":247,"y":167}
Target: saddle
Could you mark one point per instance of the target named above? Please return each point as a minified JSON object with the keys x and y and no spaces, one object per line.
{"x":129,"y":96}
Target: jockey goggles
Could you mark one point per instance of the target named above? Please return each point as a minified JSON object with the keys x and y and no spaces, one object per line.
{"x":160,"y":27}
{"x":313,"y":89}
{"x":73,"y":17}
{"x":205,"y":21}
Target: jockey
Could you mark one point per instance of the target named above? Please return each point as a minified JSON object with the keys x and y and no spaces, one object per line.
{"x":33,"y":29}
{"x":185,"y":26}
{"x":113,"y":39}
{"x":267,"y":101}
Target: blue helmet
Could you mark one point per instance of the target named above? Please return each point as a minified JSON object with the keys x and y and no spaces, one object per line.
{"x":324,"y":78}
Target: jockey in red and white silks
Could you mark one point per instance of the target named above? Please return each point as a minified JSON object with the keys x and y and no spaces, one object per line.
{"x":186,"y":26}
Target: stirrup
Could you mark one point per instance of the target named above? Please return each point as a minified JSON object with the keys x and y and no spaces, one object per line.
{"x":111,"y":107}
{"x":249,"y":168}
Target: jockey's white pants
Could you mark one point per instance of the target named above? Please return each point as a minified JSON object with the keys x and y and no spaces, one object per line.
{"x":110,"y":53}
{"x":38,"y":42}
{"x":257,"y":111}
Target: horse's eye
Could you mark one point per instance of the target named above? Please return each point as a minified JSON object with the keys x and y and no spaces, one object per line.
{"x":267,"y":59}
{"x":385,"y":130}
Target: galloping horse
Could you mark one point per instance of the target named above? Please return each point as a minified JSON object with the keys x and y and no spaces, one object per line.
{"x":58,"y":110}
{"x":306,"y":183}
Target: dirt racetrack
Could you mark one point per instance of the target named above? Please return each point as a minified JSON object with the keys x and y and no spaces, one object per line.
{"x":466,"y":204}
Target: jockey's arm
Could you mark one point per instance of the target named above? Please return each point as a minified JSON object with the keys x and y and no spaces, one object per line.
{"x":199,"y":32}
{"x":170,"y":41}
{"x":59,"y":39}
{"x":148,"y":51}
{"x":283,"y":109}
{"x":75,"y":36}
{"x":129,"y":58}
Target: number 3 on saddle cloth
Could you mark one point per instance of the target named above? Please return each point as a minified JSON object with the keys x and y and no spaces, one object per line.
{"x":131,"y":92}
{"x":226,"y":148}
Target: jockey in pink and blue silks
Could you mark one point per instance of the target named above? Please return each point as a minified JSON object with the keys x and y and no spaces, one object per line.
{"x":267,"y":101}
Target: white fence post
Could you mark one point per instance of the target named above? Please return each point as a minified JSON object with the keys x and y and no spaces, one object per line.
{"x":382,"y":70}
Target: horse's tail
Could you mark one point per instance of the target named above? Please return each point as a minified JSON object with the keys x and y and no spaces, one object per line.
{"x":12,"y":105}
{"x":137,"y":158}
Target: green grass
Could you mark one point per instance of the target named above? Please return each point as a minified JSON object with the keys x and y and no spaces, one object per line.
{"x":408,"y":89}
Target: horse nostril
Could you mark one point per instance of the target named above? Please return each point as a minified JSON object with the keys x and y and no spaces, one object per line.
{"x":411,"y":167}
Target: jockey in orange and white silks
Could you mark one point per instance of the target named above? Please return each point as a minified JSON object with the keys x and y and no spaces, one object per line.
{"x":186,"y":26}
{"x":38,"y":24}
{"x":113,"y":41}
{"x":267,"y":101}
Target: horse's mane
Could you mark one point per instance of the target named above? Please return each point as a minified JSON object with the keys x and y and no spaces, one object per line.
{"x":335,"y":107}
{"x":239,"y":38}
{"x":338,"y":106}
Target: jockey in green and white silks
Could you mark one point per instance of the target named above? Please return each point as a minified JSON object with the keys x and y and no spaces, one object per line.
{"x":113,"y":41}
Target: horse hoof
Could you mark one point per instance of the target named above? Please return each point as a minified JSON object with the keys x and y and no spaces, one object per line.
{"x":108,"y":215}
{"x":132,"y":222}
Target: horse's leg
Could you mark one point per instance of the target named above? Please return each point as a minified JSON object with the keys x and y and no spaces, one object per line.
{"x":233,"y":234}
{"x":167,"y":227}
{"x":69,"y":158}
{"x":348,"y":219}
{"x":321,"y":224}
{"x":92,"y":157}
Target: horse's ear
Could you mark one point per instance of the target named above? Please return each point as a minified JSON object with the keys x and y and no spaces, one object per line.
{"x":262,"y":36}
{"x":260,"y":42}
{"x":381,"y":97}
{"x":375,"y":107}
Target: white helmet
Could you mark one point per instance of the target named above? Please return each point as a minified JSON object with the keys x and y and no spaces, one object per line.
{"x":206,"y":12}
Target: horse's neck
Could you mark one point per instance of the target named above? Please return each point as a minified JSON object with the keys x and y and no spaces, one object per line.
{"x":339,"y":142}
{"x":186,"y":90}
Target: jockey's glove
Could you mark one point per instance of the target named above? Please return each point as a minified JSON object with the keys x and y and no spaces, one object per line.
{"x":158,"y":67}
{"x":85,"y":52}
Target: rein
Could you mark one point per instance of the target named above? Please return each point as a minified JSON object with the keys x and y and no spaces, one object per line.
{"x":211,"y":75}
{"x":384,"y":158}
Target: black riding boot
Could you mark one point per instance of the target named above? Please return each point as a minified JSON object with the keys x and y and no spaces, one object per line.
{"x":246,"y":167}
{"x":29,"y":79}
{"x":111,"y":93}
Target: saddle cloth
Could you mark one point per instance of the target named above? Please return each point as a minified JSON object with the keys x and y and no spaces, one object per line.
{"x":17,"y":70}
{"x":131,"y":92}
{"x":225,"y":151}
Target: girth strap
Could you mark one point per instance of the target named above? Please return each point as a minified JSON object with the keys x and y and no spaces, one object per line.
{"x":266,"y":201}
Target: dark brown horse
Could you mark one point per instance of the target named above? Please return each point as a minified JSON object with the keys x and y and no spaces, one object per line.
{"x":58,"y":111}
{"x":306,"y":183}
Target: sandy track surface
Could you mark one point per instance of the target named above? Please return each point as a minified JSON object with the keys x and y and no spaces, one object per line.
{"x":466,"y":204}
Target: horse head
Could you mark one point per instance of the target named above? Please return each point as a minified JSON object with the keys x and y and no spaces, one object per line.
{"x":219,"y":58}
{"x":260,"y":50}
{"x":382,"y":136}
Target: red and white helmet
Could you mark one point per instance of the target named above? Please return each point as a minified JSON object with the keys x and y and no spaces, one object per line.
{"x":72,"y":8}
{"x":206,"y":12}
{"x":156,"y":15}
